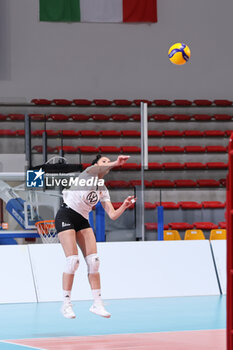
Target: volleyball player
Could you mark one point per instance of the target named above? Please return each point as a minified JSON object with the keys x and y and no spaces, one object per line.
{"x":73,"y":227}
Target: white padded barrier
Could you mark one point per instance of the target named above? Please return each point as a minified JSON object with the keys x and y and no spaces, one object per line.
{"x":219,"y":252}
{"x":48,"y":261}
{"x":16,"y":277}
{"x":131,"y":270}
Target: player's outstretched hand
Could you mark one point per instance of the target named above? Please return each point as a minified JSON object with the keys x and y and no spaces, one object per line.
{"x":121,"y":160}
{"x":129,"y":201}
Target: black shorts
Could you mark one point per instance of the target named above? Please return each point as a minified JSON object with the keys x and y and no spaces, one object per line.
{"x":68,"y":219}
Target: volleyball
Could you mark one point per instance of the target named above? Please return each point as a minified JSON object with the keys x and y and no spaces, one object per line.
{"x":179,"y":53}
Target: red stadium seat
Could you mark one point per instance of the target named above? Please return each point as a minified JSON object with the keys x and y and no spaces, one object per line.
{"x":190,"y":205}
{"x":222,"y":225}
{"x":89,"y":133}
{"x":39,"y":149}
{"x":118,"y":184}
{"x":58,"y":117}
{"x":222,"y":117}
{"x":102,"y":102}
{"x":41,"y":101}
{"x":39,"y":117}
{"x":194,"y":149}
{"x":130,"y":149}
{"x":122,"y":102}
{"x":185,"y":183}
{"x":120,"y":117}
{"x":202,"y":117}
{"x":138,"y":102}
{"x":208,"y":183}
{"x":202,"y":102}
{"x":154,"y":166}
{"x":205,"y":225}
{"x":154,"y":133}
{"x":130,"y":166}
{"x":100,"y":117}
{"x":62,"y":102}
{"x":182,"y":103}
{"x":3,"y":117}
{"x":180,"y":226}
{"x":213,"y":204}
{"x":80,"y":117}
{"x":181,"y":117}
{"x":130,"y":133}
{"x":68,"y":133}
{"x":148,"y":205}
{"x":162,"y":103}
{"x":153,"y":226}
{"x":110,"y":133}
{"x":85,"y":165}
{"x":168,"y":205}
{"x":173,"y":165}
{"x":82,"y":102}
{"x":162,"y":183}
{"x":20,"y":132}
{"x":16,"y":117}
{"x":195,"y":165}
{"x":161,"y":117}
{"x":136,"y":117}
{"x":173,"y":133}
{"x":193,"y":133}
{"x":39,"y":133}
{"x":88,"y":149}
{"x":134,"y":183}
{"x":117,"y":205}
{"x":228,"y":132}
{"x":214,"y":133}
{"x":67,"y":149}
{"x":173,"y":149}
{"x":155,"y":149}
{"x":223,"y":103}
{"x":217,"y":165}
{"x":216,"y":149}
{"x":223,"y":182}
{"x":109,"y":149}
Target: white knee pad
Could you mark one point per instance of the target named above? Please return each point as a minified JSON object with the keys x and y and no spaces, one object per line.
{"x":93,"y":263}
{"x":72,"y":263}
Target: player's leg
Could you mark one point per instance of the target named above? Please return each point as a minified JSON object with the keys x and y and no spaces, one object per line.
{"x":87,"y":243}
{"x":68,"y":241}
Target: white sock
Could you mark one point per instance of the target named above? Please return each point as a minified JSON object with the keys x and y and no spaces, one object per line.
{"x":96,"y":295}
{"x":66,"y":295}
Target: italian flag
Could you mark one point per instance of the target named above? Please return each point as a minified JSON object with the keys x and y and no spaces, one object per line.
{"x":115,"y":11}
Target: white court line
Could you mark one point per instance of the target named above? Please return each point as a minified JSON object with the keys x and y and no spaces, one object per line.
{"x":26,"y":346}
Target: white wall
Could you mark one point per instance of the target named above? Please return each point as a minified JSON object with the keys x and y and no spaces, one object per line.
{"x":219,"y":250}
{"x":17,"y":285}
{"x":128,"y":270}
{"x":117,"y":60}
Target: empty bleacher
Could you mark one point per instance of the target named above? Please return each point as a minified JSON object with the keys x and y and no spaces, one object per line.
{"x":188,"y":143}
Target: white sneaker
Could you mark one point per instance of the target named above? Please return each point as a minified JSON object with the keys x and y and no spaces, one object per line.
{"x":98,"y":309}
{"x":67,"y":310}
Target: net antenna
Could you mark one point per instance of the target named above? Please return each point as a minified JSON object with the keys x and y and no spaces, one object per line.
{"x":230,"y":247}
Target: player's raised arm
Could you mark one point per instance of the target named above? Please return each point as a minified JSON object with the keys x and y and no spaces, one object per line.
{"x":102,"y":165}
